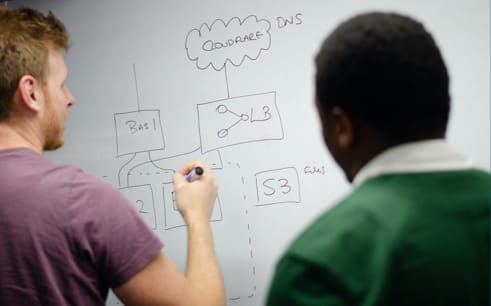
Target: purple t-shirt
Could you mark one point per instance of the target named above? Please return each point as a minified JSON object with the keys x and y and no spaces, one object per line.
{"x":65,"y":236}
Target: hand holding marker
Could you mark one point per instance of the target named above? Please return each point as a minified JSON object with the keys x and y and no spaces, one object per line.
{"x":195,"y":192}
{"x":194,"y":174}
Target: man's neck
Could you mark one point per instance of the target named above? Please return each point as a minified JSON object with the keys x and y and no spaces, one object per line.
{"x":18,"y":136}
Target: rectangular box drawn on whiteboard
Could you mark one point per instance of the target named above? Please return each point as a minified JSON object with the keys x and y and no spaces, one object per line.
{"x":142,"y":198}
{"x":277,"y":186}
{"x":239,"y":120}
{"x":138,"y":131}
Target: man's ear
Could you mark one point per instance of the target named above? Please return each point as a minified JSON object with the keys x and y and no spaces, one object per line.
{"x":344,"y":129}
{"x":30,"y":93}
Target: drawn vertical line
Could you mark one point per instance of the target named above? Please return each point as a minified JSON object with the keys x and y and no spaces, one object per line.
{"x":251,"y":251}
{"x":136,"y":86}
{"x":257,"y":191}
{"x":152,"y":162}
{"x":121,"y":170}
{"x":226,"y":80}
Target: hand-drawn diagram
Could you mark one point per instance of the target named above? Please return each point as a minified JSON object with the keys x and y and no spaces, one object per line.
{"x":277,"y":186}
{"x":139,"y":131}
{"x":231,"y":42}
{"x":239,"y":120}
{"x":231,"y":121}
{"x":142,"y":197}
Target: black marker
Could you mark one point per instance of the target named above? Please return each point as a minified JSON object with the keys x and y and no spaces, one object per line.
{"x":194,"y":174}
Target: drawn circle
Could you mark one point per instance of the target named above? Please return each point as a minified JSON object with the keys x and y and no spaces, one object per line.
{"x":244,"y":117}
{"x":222,"y":109}
{"x":222,"y":133}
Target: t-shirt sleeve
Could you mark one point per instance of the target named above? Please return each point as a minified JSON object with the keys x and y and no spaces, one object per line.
{"x":108,"y":233}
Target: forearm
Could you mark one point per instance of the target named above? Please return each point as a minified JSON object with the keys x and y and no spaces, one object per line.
{"x":202,"y":269}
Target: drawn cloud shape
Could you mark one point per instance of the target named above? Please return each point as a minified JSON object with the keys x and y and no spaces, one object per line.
{"x":230,"y":42}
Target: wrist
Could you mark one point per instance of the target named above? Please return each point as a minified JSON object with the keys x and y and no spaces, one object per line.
{"x":196,"y":219}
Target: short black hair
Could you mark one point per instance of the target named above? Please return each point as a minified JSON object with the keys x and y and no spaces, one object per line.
{"x":386,"y":70}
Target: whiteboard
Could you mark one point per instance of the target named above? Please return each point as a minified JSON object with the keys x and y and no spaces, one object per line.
{"x":147,"y":100}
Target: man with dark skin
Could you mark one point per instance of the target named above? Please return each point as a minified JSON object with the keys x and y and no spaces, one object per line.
{"x":415,"y":229}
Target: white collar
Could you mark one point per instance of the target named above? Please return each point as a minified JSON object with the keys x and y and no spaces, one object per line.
{"x":421,"y":156}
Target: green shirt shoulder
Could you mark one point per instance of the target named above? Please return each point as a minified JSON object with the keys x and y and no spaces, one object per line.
{"x":413,"y":226}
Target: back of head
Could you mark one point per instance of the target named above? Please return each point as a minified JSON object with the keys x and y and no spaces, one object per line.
{"x":386,"y":70}
{"x":26,"y":38}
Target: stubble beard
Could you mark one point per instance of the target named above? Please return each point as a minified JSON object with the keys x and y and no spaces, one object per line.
{"x":53,"y":128}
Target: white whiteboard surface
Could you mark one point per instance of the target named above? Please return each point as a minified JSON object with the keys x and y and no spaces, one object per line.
{"x":147,"y":101}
